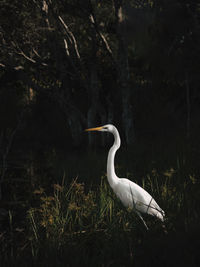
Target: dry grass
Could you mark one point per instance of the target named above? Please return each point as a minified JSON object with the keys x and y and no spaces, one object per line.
{"x":71,"y":224}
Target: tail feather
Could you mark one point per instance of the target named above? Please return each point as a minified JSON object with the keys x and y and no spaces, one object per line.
{"x":161,"y":215}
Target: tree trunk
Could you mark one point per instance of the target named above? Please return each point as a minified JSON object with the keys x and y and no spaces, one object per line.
{"x":74,"y":118}
{"x":188,"y":105}
{"x":123,"y":73}
{"x":96,"y":111}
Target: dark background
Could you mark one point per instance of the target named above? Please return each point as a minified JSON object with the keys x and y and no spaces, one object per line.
{"x":70,"y":65}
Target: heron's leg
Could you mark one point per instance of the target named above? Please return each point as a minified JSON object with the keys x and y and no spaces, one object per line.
{"x":140,"y":216}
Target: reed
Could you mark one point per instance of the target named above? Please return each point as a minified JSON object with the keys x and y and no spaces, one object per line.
{"x":77,"y":224}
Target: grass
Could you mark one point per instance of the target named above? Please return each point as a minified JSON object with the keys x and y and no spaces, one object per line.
{"x":70,"y":223}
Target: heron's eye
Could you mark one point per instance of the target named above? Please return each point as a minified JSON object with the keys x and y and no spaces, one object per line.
{"x":105,"y":128}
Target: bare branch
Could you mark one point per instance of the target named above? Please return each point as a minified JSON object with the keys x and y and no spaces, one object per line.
{"x":66,"y":47}
{"x":36,"y":53}
{"x":102,"y":37}
{"x":91,"y":17}
{"x":25,"y":56}
{"x":71,"y":36}
{"x":19,"y":51}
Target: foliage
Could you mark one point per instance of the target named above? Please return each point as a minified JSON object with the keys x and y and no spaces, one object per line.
{"x":68,"y":53}
{"x":71,"y":225}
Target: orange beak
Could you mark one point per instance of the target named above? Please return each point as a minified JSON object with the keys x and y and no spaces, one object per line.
{"x":93,"y":129}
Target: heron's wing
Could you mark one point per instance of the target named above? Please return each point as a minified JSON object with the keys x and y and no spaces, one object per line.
{"x":134,"y":196}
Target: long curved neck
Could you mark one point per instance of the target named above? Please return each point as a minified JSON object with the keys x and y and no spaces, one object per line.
{"x":112,"y":178}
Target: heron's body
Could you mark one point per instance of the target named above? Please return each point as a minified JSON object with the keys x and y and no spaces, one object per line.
{"x":131,"y":195}
{"x":135,"y":197}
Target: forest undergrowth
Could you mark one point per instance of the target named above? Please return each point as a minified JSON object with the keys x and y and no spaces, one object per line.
{"x":73,"y":224}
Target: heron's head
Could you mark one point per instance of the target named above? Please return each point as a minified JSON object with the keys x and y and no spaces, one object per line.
{"x":106,"y":128}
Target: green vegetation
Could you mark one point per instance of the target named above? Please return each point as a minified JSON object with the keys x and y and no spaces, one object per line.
{"x":67,"y":223}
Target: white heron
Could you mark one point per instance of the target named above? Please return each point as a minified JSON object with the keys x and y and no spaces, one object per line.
{"x":131,"y":195}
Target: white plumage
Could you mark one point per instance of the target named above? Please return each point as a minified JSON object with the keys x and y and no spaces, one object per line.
{"x":131,"y":195}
